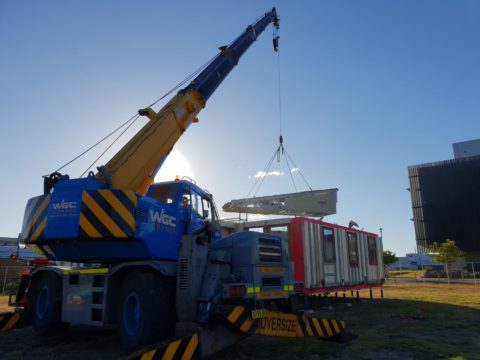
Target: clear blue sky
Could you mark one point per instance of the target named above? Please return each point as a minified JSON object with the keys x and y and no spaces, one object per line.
{"x":368,"y":88}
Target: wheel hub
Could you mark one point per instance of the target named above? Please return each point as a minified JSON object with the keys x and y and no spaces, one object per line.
{"x":131,"y":311}
{"x":42,"y":302}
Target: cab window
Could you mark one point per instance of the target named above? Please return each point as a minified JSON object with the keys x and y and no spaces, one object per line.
{"x":165,"y":193}
{"x":185,"y":199}
{"x":207,"y":210}
{"x":197,"y":205}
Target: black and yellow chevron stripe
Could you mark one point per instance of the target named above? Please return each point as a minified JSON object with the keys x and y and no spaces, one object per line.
{"x":298,"y":325}
{"x":107,"y":213}
{"x":323,"y":328}
{"x":240,"y":316}
{"x":185,"y":348}
{"x":35,"y":218}
{"x":8,"y":321}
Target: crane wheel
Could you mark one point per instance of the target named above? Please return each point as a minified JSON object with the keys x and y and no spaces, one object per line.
{"x":146,"y":311}
{"x":46,"y":304}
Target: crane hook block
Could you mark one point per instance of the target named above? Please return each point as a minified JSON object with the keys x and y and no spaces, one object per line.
{"x":275,"y":43}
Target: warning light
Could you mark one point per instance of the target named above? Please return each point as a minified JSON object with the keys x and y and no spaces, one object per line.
{"x":236,"y":291}
{"x":177,"y":178}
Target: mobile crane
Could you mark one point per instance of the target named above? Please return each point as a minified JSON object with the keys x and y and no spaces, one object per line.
{"x":153,"y":256}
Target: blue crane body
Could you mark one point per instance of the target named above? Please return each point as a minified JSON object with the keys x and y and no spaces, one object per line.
{"x":152,"y":254}
{"x":88,"y":222}
{"x":117,"y":215}
{"x":153,"y":262}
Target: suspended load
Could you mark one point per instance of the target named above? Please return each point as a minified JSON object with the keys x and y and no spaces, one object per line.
{"x":315,"y":203}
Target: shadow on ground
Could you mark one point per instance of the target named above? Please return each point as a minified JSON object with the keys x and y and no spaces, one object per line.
{"x":378,"y":329}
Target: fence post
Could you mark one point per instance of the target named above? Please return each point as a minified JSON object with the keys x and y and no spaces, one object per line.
{"x":448,"y":274}
{"x":474,"y":278}
{"x":4,"y":279}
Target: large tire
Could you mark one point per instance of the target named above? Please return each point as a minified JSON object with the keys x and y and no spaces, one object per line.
{"x":146,"y":313}
{"x":46,"y":304}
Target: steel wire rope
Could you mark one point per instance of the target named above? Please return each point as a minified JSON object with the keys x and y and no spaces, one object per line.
{"x":279,"y":90}
{"x":262,"y":176}
{"x":134,"y":117}
{"x":111,"y":144}
{"x":97,"y":143}
{"x":298,"y":169}
{"x":280,"y":147}
{"x":290,"y":170}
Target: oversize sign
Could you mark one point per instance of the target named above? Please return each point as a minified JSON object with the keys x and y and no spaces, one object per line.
{"x":279,"y":324}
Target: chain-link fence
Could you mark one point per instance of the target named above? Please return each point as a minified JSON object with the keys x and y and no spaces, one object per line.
{"x":10,"y":277}
{"x":468,"y":273}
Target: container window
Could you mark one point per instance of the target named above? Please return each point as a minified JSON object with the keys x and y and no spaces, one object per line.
{"x":372,"y":251}
{"x":328,"y":245}
{"x":352,"y":248}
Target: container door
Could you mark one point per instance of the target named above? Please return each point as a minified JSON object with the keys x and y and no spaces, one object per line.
{"x":354,"y":275}
{"x":329,"y":257}
{"x":374,"y":260}
{"x":312,"y":256}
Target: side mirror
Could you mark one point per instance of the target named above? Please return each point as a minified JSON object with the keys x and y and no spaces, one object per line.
{"x":205,"y":214}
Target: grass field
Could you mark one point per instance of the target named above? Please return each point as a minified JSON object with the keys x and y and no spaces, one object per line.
{"x":453,"y":294}
{"x":413,"y":321}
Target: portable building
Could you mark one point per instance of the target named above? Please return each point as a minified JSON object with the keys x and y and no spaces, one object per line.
{"x":326,"y":257}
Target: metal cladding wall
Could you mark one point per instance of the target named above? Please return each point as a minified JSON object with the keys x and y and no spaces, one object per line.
{"x":446,"y":202}
{"x":306,"y":244}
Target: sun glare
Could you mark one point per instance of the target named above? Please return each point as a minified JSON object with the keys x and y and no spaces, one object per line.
{"x":176,"y":164}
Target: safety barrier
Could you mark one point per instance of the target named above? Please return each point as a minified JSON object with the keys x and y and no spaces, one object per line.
{"x":249,"y":322}
{"x":275,"y":323}
{"x":9,"y":320}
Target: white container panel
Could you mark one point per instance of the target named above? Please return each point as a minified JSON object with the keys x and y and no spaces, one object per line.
{"x":312,"y":255}
{"x":319,"y":274}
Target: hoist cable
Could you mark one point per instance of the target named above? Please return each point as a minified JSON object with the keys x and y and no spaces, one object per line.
{"x":98,"y":142}
{"x":109,"y":146}
{"x":189,"y":77}
{"x":296,"y":167}
{"x":135,"y":117}
{"x":290,"y":171}
{"x":262,"y":176}
{"x":279,"y":91}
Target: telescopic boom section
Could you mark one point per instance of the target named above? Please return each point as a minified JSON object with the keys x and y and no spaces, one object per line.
{"x":136,"y":164}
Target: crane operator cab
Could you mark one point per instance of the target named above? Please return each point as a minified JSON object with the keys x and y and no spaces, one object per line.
{"x":194,"y":206}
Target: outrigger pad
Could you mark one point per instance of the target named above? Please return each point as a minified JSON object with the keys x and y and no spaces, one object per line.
{"x":184,"y":348}
{"x":275,"y":323}
{"x":9,"y":320}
